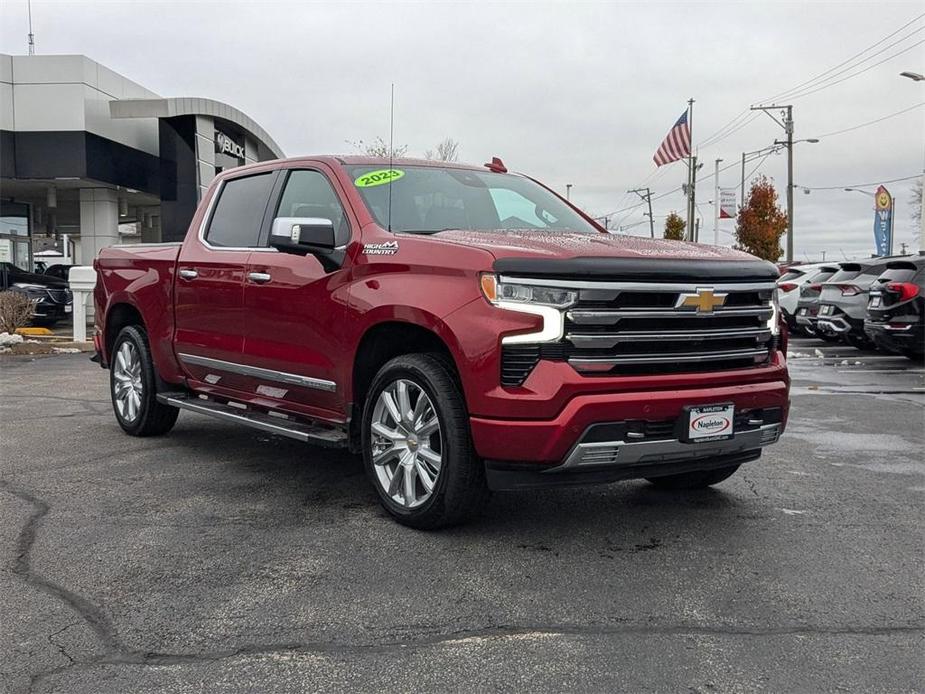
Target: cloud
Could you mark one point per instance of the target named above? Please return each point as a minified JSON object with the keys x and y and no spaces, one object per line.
{"x":571,"y":93}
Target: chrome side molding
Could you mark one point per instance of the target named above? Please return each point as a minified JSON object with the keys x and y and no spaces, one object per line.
{"x":257,"y":372}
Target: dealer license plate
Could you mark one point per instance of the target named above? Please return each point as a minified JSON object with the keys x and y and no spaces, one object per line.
{"x":68,"y":308}
{"x":826,"y":310}
{"x":710,"y":422}
{"x":802,"y":312}
{"x":875,"y":301}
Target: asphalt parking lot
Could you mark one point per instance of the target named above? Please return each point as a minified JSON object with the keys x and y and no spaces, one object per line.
{"x":219,"y":559}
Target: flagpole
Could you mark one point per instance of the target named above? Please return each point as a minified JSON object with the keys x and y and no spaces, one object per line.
{"x":691,"y":177}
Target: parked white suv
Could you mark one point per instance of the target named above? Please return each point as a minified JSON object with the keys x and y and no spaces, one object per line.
{"x":788,"y":288}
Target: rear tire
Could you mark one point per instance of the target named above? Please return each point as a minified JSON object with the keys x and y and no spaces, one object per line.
{"x":421,"y":462}
{"x":698,"y":479}
{"x":133,"y":387}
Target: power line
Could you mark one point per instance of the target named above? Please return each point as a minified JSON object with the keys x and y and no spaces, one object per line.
{"x":819,"y":77}
{"x":870,"y":122}
{"x":859,"y":185}
{"x":855,"y":74}
{"x":743,"y":119}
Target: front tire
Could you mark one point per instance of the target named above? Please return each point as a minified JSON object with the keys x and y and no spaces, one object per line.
{"x":699,"y":479}
{"x":416,"y":444}
{"x":133,"y":387}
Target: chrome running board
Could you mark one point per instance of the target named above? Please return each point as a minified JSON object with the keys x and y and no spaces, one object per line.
{"x":281,"y":425}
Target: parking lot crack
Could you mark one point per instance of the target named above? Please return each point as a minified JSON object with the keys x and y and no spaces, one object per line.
{"x":61,"y":648}
{"x":22,"y":567}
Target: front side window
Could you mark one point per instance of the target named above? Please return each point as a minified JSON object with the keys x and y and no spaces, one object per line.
{"x":239,"y":212}
{"x":309,"y":194}
{"x":429,"y":199}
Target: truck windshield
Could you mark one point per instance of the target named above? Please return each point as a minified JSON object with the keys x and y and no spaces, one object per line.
{"x":427,"y":200}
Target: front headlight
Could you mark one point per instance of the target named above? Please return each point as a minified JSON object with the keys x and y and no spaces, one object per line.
{"x":774,"y":320}
{"x":497,"y":292}
{"x":30,"y":289}
{"x":546,"y":302}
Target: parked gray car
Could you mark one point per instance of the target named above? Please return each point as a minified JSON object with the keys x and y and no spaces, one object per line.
{"x":843,"y":301}
{"x":808,"y":305}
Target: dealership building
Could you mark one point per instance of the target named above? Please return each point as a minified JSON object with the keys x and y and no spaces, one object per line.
{"x":89,"y":158}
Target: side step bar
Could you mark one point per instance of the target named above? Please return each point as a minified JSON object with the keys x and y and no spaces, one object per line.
{"x":291,"y":428}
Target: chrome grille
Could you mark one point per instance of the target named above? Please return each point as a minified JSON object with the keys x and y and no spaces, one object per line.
{"x":59,"y":296}
{"x":657,"y":328}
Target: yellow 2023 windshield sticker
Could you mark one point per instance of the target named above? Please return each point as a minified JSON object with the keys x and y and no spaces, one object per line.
{"x":377,"y":178}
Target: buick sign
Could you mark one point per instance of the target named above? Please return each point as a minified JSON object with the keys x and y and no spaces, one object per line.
{"x":225,"y":145}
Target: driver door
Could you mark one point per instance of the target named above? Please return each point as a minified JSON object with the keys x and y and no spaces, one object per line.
{"x":294,"y":308}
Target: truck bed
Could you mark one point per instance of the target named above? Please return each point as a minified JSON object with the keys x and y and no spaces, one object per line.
{"x":140,"y":277}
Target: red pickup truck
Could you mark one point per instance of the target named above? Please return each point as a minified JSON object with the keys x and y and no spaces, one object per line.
{"x":464,"y":328}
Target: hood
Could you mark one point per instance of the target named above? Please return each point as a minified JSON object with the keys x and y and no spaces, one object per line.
{"x":561,"y":245}
{"x":550,"y":253}
{"x":18,"y":276}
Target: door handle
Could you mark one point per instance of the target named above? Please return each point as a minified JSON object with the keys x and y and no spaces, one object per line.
{"x":259,"y":277}
{"x":188,"y":274}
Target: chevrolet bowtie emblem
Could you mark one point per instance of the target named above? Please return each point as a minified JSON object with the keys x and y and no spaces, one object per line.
{"x":705,"y":300}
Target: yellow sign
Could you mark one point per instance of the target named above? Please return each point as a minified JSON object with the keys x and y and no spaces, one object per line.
{"x":377,"y":178}
{"x":884,"y":199}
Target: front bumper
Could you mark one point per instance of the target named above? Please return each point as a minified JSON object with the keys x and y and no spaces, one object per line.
{"x":897,"y":335}
{"x":609,"y":452}
{"x":564,"y":439}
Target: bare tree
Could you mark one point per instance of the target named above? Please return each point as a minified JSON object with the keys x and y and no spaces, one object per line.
{"x":447,"y":150}
{"x":378,"y":148}
{"x":915,"y":199}
{"x":15,"y":311}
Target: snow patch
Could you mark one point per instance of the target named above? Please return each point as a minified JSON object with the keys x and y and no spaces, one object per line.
{"x":7,"y":340}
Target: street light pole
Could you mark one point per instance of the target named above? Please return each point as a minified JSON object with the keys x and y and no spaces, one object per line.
{"x":716,"y":203}
{"x":568,"y":191}
{"x":787,"y":125}
{"x":742,"y":189}
{"x":918,"y":77}
{"x":789,"y":128}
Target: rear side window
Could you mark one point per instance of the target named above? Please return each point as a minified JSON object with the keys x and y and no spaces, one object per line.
{"x":899,"y":274}
{"x":844,"y":275}
{"x":790,"y":275}
{"x":822,"y":276}
{"x":874,"y":269}
{"x":239,"y":212}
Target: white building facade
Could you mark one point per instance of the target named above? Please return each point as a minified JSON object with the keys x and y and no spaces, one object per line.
{"x":89,"y":158}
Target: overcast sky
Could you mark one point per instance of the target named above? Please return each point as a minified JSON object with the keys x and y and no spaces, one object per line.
{"x":579,"y":93}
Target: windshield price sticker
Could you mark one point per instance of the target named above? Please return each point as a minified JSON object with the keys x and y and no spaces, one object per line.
{"x":377,"y":178}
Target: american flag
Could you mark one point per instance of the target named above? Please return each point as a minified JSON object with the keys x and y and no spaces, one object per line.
{"x":677,"y":143}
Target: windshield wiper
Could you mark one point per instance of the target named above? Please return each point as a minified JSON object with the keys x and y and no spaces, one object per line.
{"x":428,"y":232}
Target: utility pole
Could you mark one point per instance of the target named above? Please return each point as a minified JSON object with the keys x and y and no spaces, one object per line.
{"x":787,"y":125}
{"x":902,"y":246}
{"x":568,"y":191}
{"x":31,"y":37}
{"x":648,"y":198}
{"x":696,"y":230}
{"x":692,"y":201}
{"x":691,"y":173}
{"x":716,"y":203}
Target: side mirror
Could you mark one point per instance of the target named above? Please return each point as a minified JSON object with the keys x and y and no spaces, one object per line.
{"x":302,"y":235}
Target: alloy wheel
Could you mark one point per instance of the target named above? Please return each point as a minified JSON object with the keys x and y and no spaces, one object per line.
{"x":407,"y":445}
{"x":127,"y":386}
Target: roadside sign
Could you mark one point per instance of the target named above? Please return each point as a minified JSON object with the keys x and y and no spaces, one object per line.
{"x":883,"y":221}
